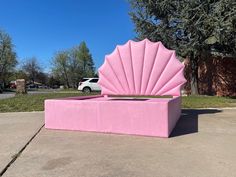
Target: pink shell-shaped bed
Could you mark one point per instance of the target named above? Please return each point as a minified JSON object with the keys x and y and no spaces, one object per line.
{"x":136,"y":68}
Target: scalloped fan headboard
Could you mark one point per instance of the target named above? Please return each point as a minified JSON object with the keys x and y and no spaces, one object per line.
{"x":141,"y":68}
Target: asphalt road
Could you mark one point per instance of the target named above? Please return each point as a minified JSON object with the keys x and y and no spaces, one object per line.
{"x":6,"y":95}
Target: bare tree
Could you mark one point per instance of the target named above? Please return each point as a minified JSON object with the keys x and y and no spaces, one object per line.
{"x":32,"y":68}
{"x":60,"y":66}
{"x":7,"y":56}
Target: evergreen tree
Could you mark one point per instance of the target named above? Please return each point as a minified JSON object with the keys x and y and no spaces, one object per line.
{"x":195,"y":29}
{"x":86,"y":60}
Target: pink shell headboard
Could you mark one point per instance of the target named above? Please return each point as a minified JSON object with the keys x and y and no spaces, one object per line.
{"x":141,"y":68}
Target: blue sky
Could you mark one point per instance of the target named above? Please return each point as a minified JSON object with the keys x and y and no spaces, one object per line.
{"x":41,"y":27}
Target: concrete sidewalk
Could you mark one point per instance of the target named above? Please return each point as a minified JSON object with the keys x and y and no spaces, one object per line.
{"x":16,"y":129}
{"x":202,"y":144}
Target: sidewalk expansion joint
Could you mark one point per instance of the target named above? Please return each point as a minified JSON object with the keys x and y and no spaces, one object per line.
{"x":14,"y":157}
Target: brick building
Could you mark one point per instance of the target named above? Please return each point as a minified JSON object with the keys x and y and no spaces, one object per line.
{"x":217,"y":76}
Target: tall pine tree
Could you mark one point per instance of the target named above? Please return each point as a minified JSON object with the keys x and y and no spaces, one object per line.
{"x":86,"y":60}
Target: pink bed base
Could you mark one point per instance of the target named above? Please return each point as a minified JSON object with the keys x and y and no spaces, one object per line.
{"x":135,"y":68}
{"x":149,"y":116}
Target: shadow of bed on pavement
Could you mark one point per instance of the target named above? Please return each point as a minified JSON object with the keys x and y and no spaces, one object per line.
{"x":188,"y":122}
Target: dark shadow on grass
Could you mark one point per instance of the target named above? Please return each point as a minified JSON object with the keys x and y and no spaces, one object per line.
{"x":188,"y":122}
{"x":232,"y":97}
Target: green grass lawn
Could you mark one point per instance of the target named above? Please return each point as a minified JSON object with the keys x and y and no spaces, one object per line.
{"x":208,"y":102}
{"x":35,"y":102}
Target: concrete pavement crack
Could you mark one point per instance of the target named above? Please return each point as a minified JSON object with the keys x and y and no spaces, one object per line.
{"x":20,"y":152}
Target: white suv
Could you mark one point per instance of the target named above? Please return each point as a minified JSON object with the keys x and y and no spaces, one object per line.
{"x":88,"y":85}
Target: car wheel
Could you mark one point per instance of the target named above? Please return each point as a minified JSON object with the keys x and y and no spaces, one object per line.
{"x":87,"y":90}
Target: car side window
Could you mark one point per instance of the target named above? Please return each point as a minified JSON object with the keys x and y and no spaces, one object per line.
{"x":94,"y":81}
{"x":83,"y":80}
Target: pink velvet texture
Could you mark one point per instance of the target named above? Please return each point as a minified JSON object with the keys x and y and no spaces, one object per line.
{"x":149,"y":117}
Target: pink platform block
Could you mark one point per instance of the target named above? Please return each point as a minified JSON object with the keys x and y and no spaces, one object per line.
{"x":149,"y":117}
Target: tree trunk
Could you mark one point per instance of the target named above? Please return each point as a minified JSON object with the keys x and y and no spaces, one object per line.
{"x":66,"y":77}
{"x":67,"y":81}
{"x":194,"y":74}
